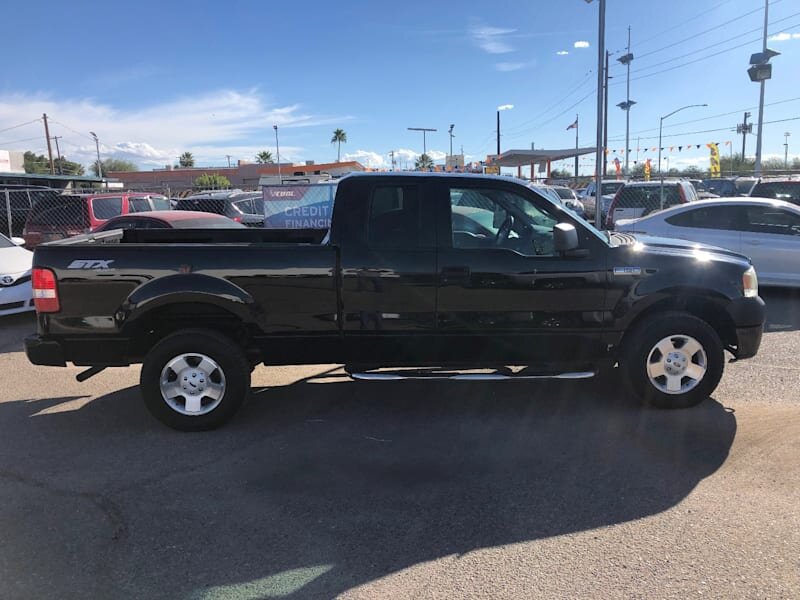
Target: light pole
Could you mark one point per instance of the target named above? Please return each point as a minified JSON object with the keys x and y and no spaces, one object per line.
{"x":97,"y":147}
{"x":785,"y":150}
{"x":450,"y":132}
{"x":499,"y":108}
{"x":424,"y":131}
{"x":660,"y":128}
{"x":278,"y":152}
{"x":760,"y":71}
{"x":626,"y":60}
{"x":599,"y":150}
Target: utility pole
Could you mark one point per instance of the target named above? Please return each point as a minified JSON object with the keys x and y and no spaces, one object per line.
{"x":761,"y":97}
{"x":626,"y":106}
{"x":391,"y":153}
{"x":605,"y":117}
{"x":499,"y":108}
{"x":744,"y":128}
{"x":598,"y":168}
{"x":786,"y":151}
{"x":58,"y":153}
{"x":49,"y":147}
{"x":228,"y":156}
{"x":100,"y":164}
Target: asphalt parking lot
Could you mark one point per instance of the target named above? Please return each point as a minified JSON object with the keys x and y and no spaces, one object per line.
{"x":323,"y":486}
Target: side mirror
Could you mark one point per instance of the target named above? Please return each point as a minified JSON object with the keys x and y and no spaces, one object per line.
{"x":565,"y":238}
{"x":18,"y":241}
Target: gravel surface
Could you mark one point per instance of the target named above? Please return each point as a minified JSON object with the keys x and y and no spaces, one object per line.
{"x":324,"y":487}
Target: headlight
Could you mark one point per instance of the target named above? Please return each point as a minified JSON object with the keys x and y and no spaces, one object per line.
{"x":750,"y":283}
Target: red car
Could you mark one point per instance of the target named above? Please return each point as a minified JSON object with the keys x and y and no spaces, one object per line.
{"x":59,"y":217}
{"x":170,"y":219}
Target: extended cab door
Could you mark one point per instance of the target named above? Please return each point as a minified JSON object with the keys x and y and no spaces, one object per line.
{"x":385,"y":229}
{"x":505,"y":296}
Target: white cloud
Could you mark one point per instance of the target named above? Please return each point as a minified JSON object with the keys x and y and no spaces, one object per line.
{"x":210,"y":125}
{"x":367,"y":158}
{"x":562,"y":53}
{"x":509,"y":66}
{"x":492,"y":39}
{"x":784,"y":36}
{"x":403,"y":158}
{"x":581,"y":44}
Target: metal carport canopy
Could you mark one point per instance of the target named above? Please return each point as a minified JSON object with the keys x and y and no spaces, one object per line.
{"x":521,"y":158}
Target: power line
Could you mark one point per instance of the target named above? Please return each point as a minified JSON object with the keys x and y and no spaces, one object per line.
{"x":8,"y":142}
{"x":655,"y":137}
{"x":20,"y":125}
{"x":551,"y":119}
{"x":681,"y":24}
{"x":72,"y":130}
{"x":707,"y":118}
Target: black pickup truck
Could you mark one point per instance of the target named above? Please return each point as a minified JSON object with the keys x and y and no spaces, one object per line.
{"x":420,"y":275}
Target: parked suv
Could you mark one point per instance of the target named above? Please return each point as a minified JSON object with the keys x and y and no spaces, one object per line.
{"x":641,"y":198}
{"x":729,"y":187}
{"x":778,"y":189}
{"x":242,"y":207}
{"x":59,"y":217}
{"x":608,"y":189}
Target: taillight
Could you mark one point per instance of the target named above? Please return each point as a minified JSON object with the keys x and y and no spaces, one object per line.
{"x":682,"y":194}
{"x":237,"y":219}
{"x":45,"y":291}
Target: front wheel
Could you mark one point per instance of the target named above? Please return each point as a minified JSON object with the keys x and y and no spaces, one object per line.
{"x":195,"y":379}
{"x":673,"y":360}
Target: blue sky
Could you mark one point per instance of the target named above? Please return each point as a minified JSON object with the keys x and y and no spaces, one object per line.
{"x":155,"y":78}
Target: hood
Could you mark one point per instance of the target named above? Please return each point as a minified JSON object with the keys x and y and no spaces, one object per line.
{"x":677,"y":247}
{"x":15,"y":260}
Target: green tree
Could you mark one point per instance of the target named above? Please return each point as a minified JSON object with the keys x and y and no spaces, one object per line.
{"x":113,"y":165}
{"x":264,"y":157}
{"x":423,"y":163}
{"x":186,"y":159}
{"x":339,"y":138}
{"x":560,"y":174}
{"x":208,"y":181}
{"x":40,"y":164}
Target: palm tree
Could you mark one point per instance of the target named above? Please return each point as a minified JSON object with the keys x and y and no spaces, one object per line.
{"x":423,"y":163}
{"x":264,"y":157}
{"x":339,"y":137}
{"x":186,"y":159}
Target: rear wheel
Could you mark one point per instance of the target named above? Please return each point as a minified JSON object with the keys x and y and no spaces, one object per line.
{"x":195,"y":380}
{"x":673,"y":360}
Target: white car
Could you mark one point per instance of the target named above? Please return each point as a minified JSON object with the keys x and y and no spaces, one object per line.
{"x":16,"y":295}
{"x":766,"y":231}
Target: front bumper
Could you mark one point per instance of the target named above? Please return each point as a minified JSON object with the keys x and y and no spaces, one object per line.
{"x":748,"y":317}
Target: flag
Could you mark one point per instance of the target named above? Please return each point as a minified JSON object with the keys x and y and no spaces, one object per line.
{"x":715,"y":167}
{"x":680,"y":148}
{"x":647,"y":170}
{"x":618,"y":167}
{"x":574,"y":125}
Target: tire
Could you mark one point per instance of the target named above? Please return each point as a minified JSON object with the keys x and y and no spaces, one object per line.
{"x":206,"y":379}
{"x":672,"y":360}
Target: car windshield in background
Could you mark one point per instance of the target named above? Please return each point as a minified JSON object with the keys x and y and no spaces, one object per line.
{"x":609,"y":188}
{"x":209,"y":205}
{"x":778,"y":190}
{"x":5,"y":242}
{"x":565,"y":193}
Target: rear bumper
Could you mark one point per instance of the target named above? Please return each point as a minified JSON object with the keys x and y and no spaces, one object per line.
{"x":94,"y":352}
{"x":44,"y":352}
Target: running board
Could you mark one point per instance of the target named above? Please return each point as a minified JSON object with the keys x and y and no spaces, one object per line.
{"x":395,"y":376}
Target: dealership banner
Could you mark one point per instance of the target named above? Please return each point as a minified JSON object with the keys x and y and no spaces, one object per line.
{"x":298,"y":206}
{"x":714,"y":158}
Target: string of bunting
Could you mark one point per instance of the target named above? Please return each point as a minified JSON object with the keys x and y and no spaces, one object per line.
{"x":646,"y":149}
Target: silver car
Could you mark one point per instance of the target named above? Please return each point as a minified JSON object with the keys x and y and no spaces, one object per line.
{"x":767,"y":231}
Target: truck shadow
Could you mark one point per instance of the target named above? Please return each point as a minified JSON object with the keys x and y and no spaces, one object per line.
{"x":327,"y":484}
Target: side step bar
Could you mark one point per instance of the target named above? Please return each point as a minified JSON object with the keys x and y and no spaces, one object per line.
{"x":397,"y":376}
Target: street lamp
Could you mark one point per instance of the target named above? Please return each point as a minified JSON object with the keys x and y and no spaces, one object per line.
{"x":599,"y":150}
{"x":424,"y":131}
{"x":759,"y":71}
{"x":499,"y":108}
{"x":660,"y":127}
{"x":450,"y":132}
{"x":786,"y":151}
{"x":97,"y":147}
{"x":278,"y":152}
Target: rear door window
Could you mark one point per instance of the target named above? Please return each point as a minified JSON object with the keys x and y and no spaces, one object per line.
{"x":764,"y":219}
{"x":138,"y":204}
{"x":708,"y":217}
{"x":396,"y":218}
{"x":106,"y":208}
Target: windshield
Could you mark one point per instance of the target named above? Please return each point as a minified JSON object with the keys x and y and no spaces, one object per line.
{"x":565,"y":193}
{"x":5,"y":242}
